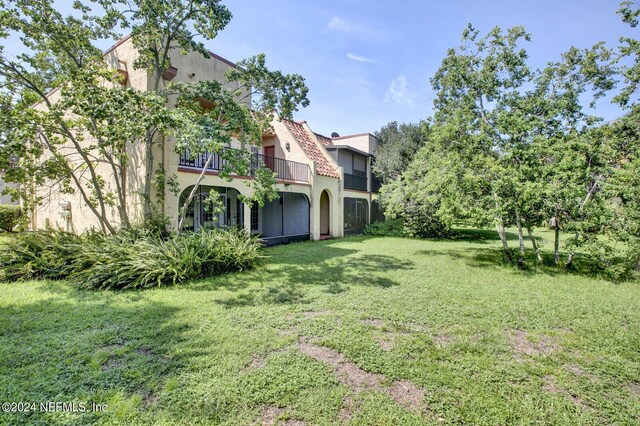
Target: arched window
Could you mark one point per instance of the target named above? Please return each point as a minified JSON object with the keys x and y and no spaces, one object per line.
{"x":212,"y":207}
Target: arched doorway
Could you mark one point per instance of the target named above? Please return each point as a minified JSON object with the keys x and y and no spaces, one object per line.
{"x":284,"y":219}
{"x":325,"y":211}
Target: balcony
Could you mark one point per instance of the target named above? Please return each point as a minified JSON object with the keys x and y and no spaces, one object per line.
{"x":284,"y":169}
{"x":376,"y":183}
{"x":357,"y":181}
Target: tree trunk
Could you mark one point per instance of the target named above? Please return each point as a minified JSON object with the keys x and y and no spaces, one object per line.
{"x":536,"y":248}
{"x":148,"y":152}
{"x":520,"y":238}
{"x":503,"y":238}
{"x":556,"y":238}
{"x":569,"y":263}
{"x":148,"y":175}
{"x":501,"y":231}
{"x":105,"y":225}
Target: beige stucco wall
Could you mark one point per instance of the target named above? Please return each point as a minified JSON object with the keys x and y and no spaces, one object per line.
{"x":122,"y":56}
{"x":332,"y":186}
{"x":280,"y":140}
{"x":364,"y":142}
{"x":191,"y":68}
{"x":80,"y":217}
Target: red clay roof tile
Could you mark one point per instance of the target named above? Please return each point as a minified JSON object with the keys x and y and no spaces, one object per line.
{"x":325,"y":141}
{"x":323,"y":167}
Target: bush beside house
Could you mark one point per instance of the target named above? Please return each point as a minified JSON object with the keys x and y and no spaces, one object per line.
{"x":9,"y":217}
{"x":128,"y":259}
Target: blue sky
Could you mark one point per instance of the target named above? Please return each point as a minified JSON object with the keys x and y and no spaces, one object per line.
{"x":369,"y":62}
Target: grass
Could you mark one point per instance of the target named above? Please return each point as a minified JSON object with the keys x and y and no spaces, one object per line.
{"x":324,"y":332}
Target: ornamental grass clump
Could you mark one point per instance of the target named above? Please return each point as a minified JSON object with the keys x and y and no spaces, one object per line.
{"x":128,"y":259}
{"x":47,"y":254}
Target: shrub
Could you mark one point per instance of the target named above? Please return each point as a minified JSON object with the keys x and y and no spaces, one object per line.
{"x":128,"y":259}
{"x":47,"y":254}
{"x":388,"y":228}
{"x":9,"y":217}
{"x":151,"y":261}
{"x":421,"y":220}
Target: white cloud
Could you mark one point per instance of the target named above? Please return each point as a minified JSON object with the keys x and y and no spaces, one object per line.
{"x":359,"y":58}
{"x":399,"y":91}
{"x":338,"y":23}
{"x":341,"y":24}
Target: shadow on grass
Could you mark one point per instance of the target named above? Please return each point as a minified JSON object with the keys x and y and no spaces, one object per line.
{"x":318,"y":264}
{"x":475,"y":236}
{"x":494,"y":258}
{"x":88,"y":347}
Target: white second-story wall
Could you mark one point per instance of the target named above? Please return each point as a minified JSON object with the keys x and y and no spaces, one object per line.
{"x":364,"y":142}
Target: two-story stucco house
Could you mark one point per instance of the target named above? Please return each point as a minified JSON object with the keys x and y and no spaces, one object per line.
{"x":325,"y":184}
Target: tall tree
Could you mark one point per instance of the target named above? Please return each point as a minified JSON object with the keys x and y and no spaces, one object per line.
{"x":479,"y":90}
{"x":397,"y":145}
{"x":64,"y":142}
{"x":505,"y":137}
{"x":629,"y":48}
{"x":159,"y":29}
{"x":56,"y":50}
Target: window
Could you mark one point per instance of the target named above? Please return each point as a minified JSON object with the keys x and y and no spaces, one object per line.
{"x":356,"y":212}
{"x":239,"y":213}
{"x":360,"y":165}
{"x":254,"y":217}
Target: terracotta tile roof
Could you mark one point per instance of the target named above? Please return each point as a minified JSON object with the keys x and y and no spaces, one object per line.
{"x":323,"y":139}
{"x":323,"y":167}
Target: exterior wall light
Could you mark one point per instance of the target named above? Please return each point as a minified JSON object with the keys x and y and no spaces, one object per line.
{"x":123,"y":73}
{"x":170,"y":73}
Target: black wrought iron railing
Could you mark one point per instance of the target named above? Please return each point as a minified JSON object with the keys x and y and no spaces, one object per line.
{"x":354,"y":182}
{"x":284,"y":169}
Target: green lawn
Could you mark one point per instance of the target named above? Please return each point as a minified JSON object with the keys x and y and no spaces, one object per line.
{"x":360,"y":330}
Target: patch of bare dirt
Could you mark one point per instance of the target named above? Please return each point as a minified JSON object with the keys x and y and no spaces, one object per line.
{"x":256,"y":362}
{"x":145,"y":351}
{"x":348,"y":409}
{"x":388,"y":340}
{"x":259,"y":361}
{"x":550,"y":386}
{"x":442,"y":339}
{"x":286,"y":332}
{"x":374,"y":322}
{"x":402,"y":391}
{"x":521,"y":344}
{"x":113,"y":362}
{"x":635,"y":388}
{"x":150,"y":398}
{"x":386,"y":343}
{"x":406,"y":393}
{"x":579,"y":371}
{"x":307,"y":314}
{"x":412,"y":326}
{"x":270,"y":415}
{"x":348,"y":373}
